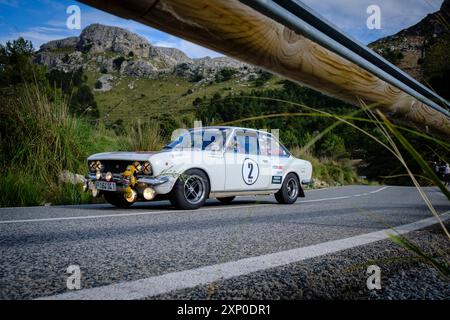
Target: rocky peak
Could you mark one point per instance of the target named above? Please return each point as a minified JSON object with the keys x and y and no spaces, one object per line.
{"x":431,"y":25}
{"x":173,"y":56}
{"x":98,"y":38}
{"x":407,"y":47}
{"x":71,"y":43}
{"x":110,"y":50}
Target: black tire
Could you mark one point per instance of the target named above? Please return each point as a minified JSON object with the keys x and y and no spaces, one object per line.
{"x":184,"y":198}
{"x":287,"y":195}
{"x":117,"y":200}
{"x":226,"y":200}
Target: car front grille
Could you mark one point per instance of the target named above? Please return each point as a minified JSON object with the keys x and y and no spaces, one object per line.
{"x":115,"y":166}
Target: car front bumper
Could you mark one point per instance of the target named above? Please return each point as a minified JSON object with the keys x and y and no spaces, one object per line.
{"x":123,"y":184}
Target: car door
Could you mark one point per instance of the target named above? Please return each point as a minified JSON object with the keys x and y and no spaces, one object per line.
{"x":245,"y":169}
{"x":280,"y":160}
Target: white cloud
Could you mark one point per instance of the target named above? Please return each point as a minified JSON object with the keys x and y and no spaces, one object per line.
{"x":192,"y":50}
{"x":165,"y":44}
{"x":195,"y":51}
{"x":351,"y":16}
{"x":39,"y":35}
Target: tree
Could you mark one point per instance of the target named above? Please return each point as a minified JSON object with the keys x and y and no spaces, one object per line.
{"x":82,"y":102}
{"x":263,"y":78}
{"x":437,"y":66}
{"x":225,"y":74}
{"x":16,"y":64}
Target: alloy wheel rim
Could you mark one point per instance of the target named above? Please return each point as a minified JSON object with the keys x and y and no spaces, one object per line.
{"x":194,"y":189}
{"x":292,"y":188}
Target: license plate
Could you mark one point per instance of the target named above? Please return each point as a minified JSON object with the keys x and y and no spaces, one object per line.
{"x":105,"y":186}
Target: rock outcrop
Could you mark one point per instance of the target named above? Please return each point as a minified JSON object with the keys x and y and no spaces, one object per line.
{"x":108,"y":50}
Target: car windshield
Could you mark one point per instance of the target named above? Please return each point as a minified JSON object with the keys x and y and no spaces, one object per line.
{"x":204,"y":139}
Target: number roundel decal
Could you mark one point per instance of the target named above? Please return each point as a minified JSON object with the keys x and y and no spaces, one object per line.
{"x":250,"y":171}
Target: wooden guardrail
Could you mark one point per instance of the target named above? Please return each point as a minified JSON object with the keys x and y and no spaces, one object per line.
{"x":236,"y":30}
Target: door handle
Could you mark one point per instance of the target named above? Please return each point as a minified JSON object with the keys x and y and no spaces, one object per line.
{"x":266,"y":161}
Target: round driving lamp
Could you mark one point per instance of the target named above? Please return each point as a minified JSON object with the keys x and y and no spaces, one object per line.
{"x":95,"y":192}
{"x":109,"y":176}
{"x":149,"y":194}
{"x":98,"y":175}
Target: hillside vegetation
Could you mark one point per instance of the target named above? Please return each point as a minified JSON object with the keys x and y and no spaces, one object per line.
{"x":79,"y":96}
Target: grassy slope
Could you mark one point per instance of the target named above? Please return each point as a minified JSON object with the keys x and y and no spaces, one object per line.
{"x":150,"y":97}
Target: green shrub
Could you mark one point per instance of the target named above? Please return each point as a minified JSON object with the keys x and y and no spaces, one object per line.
{"x":40,"y":139}
{"x":225,"y":74}
{"x":98,"y":85}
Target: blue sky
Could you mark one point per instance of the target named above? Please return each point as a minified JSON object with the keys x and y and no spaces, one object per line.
{"x":43,"y":20}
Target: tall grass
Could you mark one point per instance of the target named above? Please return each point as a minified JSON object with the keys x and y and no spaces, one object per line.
{"x":143,"y":136}
{"x":328,"y":172}
{"x":40,"y":139}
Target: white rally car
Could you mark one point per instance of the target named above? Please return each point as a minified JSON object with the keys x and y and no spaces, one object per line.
{"x":202,"y":163}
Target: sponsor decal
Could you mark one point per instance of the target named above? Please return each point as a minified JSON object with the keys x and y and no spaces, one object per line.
{"x":277,"y":179}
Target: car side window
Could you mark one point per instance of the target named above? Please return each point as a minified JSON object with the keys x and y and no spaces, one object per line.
{"x":244,"y":143}
{"x":264,"y":144}
{"x":271,"y":147}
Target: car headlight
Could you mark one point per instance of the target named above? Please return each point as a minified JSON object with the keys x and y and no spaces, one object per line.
{"x":147,"y":168}
{"x":138,"y":167}
{"x":99,"y":166}
{"x":95,"y":166}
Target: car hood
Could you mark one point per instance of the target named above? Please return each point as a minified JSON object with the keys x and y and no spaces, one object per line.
{"x":127,"y":156}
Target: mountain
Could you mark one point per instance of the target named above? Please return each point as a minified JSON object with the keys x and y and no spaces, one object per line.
{"x":133,"y":80}
{"x":408,"y":47}
{"x":109,"y":49}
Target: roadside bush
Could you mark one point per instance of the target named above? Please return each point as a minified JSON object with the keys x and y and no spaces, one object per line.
{"x":40,"y":139}
{"x":331,"y":172}
{"x":98,"y":85}
{"x":142,"y":137}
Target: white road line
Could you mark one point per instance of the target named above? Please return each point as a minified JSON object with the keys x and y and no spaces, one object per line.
{"x":327,"y":199}
{"x":127,"y":214}
{"x":171,"y":211}
{"x":379,"y":190}
{"x":165,"y":283}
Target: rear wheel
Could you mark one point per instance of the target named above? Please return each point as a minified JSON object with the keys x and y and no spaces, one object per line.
{"x":226,"y":200}
{"x":191,"y":191}
{"x":290,"y":190}
{"x":117,"y":200}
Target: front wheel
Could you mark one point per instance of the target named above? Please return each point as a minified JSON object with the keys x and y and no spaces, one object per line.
{"x":117,"y":200}
{"x":290,"y":190}
{"x":191,"y":190}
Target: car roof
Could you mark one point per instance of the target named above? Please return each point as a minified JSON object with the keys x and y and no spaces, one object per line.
{"x":230,"y":128}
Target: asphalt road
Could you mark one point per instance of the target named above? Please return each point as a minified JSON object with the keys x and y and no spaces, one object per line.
{"x":115,"y":248}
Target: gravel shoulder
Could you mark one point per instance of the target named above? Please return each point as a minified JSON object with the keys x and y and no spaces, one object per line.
{"x":342,"y":276}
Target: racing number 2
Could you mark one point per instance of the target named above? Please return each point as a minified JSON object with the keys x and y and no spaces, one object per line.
{"x":250,"y":166}
{"x":250,"y":171}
